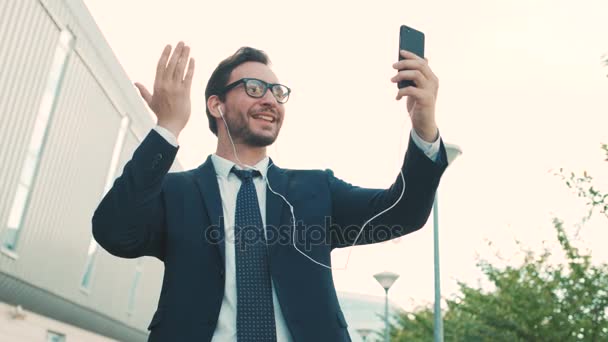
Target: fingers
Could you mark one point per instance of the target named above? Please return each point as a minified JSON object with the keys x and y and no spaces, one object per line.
{"x":189,"y":74}
{"x":171,"y":66}
{"x":411,"y":75}
{"x":409,"y":55}
{"x":411,"y":92}
{"x":178,"y":75}
{"x":145,"y":94}
{"x":415,"y":64}
{"x":422,"y":95}
{"x":416,"y":69}
{"x":162,"y":64}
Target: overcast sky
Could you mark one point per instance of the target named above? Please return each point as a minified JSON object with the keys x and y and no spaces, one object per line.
{"x":522,"y":91}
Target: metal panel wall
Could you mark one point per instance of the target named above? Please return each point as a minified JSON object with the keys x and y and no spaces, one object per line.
{"x":27,"y":49}
{"x":70,"y":181}
{"x":46,"y":270}
{"x":95,"y":51}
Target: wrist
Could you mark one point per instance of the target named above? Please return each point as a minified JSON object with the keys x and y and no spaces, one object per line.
{"x":171,"y":127}
{"x":428,"y":134}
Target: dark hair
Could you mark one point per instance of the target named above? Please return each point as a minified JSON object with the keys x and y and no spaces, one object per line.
{"x":220,"y":76}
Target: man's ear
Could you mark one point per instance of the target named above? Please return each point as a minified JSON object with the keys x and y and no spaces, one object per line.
{"x":214,"y":104}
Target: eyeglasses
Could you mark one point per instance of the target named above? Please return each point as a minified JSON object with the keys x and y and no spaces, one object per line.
{"x":257,"y":89}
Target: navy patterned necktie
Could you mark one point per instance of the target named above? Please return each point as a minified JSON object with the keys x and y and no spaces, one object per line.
{"x":254,"y":309}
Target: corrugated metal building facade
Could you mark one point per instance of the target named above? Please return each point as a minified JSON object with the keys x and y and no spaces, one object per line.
{"x":69,"y":121}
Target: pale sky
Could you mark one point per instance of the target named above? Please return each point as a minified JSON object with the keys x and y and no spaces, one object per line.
{"x":522,"y":91}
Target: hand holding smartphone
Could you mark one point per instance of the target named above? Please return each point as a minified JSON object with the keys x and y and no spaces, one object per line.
{"x":410,"y":40}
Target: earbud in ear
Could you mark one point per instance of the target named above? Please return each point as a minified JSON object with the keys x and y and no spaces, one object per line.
{"x":219,"y":108}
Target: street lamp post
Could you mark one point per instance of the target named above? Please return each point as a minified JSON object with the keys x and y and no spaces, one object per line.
{"x":453,"y":151}
{"x":364,"y":332}
{"x":386,"y":280}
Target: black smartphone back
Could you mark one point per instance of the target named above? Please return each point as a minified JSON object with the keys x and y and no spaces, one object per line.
{"x":410,"y":40}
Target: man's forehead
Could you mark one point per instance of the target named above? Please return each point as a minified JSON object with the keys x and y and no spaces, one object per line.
{"x":253,"y":70}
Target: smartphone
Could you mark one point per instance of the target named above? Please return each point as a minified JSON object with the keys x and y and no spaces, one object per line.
{"x":410,"y":40}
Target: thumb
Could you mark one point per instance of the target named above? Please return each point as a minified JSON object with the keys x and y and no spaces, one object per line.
{"x":144,"y":92}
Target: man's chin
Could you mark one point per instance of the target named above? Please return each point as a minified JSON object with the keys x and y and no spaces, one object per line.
{"x":261,"y":140}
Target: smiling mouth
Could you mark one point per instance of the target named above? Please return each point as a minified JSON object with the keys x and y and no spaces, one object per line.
{"x":264,"y":117}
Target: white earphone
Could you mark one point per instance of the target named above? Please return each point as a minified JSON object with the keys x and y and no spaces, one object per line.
{"x":219,"y":108}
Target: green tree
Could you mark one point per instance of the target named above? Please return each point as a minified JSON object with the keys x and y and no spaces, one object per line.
{"x":534,"y":301}
{"x":585,"y":188}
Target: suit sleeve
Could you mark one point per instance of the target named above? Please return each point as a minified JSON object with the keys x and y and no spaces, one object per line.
{"x":352,"y":206}
{"x":130,"y":220}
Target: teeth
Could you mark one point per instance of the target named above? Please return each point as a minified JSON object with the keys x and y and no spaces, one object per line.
{"x":265,"y":117}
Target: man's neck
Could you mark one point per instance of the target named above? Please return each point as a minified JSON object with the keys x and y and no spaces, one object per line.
{"x":247,"y":155}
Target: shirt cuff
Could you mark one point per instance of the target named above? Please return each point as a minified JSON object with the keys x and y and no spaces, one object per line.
{"x":430,"y":149}
{"x":167,"y":135}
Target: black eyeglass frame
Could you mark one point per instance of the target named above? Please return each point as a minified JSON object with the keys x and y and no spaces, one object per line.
{"x":264,"y":83}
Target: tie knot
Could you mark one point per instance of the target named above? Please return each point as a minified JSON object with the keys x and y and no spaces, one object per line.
{"x":245,"y":175}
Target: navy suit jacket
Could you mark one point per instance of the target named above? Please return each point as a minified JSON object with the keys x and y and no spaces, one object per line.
{"x":177,"y":217}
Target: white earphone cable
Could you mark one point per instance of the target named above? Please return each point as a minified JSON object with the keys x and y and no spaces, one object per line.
{"x":291,"y":207}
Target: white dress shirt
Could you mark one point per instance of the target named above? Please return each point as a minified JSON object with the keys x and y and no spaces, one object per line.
{"x":229,"y":185}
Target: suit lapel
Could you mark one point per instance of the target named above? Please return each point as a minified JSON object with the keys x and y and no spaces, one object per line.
{"x":206,"y":179}
{"x":274,"y":203}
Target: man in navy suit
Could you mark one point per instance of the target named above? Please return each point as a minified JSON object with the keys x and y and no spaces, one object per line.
{"x":196,"y":221}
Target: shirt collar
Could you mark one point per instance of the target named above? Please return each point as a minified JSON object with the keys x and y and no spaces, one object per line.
{"x":223,"y":166}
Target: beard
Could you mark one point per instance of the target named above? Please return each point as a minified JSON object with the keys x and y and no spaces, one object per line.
{"x":242,"y":134}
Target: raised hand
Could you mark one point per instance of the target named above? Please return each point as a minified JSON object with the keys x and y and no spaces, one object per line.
{"x":171,"y":98}
{"x":422,"y":98}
